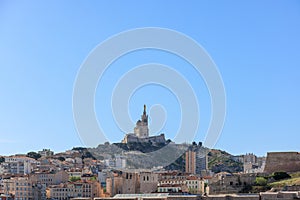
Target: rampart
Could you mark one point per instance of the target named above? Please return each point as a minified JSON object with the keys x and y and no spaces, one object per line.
{"x":282,"y":161}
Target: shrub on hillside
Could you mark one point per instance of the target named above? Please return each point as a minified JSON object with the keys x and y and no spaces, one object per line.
{"x":261,"y":181}
{"x":280,"y":175}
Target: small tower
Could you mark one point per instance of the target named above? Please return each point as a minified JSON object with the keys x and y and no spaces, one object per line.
{"x":141,"y":129}
{"x":145,"y":116}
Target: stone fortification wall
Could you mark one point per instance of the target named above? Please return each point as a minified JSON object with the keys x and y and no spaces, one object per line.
{"x":282,"y":161}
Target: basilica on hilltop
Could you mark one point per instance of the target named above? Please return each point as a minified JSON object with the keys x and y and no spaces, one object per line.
{"x":141,"y":132}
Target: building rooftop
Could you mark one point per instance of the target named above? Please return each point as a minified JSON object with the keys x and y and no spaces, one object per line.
{"x":141,"y":195}
{"x":233,"y":195}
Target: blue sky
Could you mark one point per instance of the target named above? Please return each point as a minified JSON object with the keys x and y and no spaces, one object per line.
{"x":255,"y":45}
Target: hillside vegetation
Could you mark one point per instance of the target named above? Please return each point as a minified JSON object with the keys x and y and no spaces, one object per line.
{"x":219,"y":161}
{"x":294,"y":180}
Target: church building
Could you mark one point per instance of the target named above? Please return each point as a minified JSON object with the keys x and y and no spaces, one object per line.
{"x":141,"y":132}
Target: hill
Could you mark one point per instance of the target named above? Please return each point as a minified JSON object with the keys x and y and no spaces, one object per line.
{"x":221,"y":161}
{"x":218,"y":160}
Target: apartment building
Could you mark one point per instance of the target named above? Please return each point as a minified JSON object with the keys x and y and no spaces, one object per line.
{"x":90,"y":189}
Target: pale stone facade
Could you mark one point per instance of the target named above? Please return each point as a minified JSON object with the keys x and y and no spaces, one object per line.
{"x":253,"y":164}
{"x":141,"y":129}
{"x":130,"y":138}
{"x":282,"y":161}
{"x":195,"y":185}
{"x":172,"y":188}
{"x":227,"y":183}
{"x":191,"y":184}
{"x":74,"y":189}
{"x":20,"y":165}
{"x":156,"y":196}
{"x":50,"y":178}
{"x":125,"y":182}
{"x":141,"y":132}
{"x":46,"y":153}
{"x":23,"y":188}
{"x":148,"y":182}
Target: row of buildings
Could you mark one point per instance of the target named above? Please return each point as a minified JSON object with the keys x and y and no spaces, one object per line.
{"x":75,"y":174}
{"x":75,"y":177}
{"x":137,"y":182}
{"x":251,"y":163}
{"x":282,"y":195}
{"x":24,"y":178}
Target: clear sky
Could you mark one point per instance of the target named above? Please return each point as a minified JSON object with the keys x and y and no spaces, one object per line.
{"x":255,"y":45}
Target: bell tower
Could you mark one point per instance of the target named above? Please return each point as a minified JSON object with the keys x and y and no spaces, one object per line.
{"x":141,"y":129}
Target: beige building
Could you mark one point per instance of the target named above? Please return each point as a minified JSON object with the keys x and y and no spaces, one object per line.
{"x":253,"y":164}
{"x":133,"y":182}
{"x":224,"y":183}
{"x":148,"y":182}
{"x":130,"y":138}
{"x":18,"y":165}
{"x":191,"y":184}
{"x":155,"y":196}
{"x":141,"y":132}
{"x":141,"y":129}
{"x":90,"y":189}
{"x":172,"y":188}
{"x":166,"y":196}
{"x":231,"y":197}
{"x":173,"y":175}
{"x":50,"y":177}
{"x":114,"y":185}
{"x":190,"y":162}
{"x":23,"y":188}
{"x":75,"y":173}
{"x":46,"y":153}
{"x":123,"y":182}
{"x":195,"y":185}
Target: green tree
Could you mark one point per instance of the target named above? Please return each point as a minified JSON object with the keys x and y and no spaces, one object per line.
{"x":261,"y":181}
{"x":61,"y":158}
{"x":280,"y":175}
{"x":74,"y":178}
{"x":2,"y":159}
{"x":80,"y":149}
{"x":33,"y":155}
{"x":88,"y":154}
